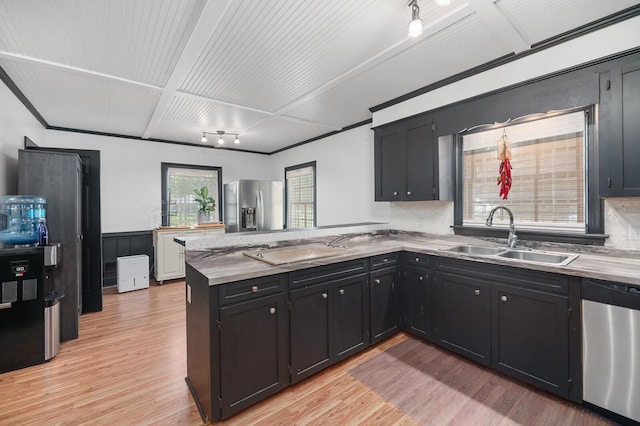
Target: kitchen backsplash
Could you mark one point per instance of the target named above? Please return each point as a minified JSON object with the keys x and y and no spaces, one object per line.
{"x":622,"y":222}
{"x":431,"y":217}
{"x":621,"y":215}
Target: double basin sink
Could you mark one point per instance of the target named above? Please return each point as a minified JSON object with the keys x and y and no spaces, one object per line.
{"x":532,"y":256}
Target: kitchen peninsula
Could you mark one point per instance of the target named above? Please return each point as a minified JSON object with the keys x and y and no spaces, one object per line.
{"x":254,"y":328}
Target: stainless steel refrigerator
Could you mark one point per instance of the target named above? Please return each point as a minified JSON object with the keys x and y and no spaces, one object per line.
{"x":253,"y":205}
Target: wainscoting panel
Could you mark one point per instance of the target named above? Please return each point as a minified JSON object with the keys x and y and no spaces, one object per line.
{"x":118,"y":244}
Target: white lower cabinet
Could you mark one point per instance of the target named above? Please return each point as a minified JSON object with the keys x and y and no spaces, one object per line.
{"x":169,"y":255}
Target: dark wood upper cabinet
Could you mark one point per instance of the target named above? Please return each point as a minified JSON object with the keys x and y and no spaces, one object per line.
{"x":404,"y":161}
{"x":619,"y":130}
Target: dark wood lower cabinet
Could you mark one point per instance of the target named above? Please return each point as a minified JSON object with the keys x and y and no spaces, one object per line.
{"x":418,"y":301}
{"x":253,"y":352}
{"x":247,"y":340}
{"x":329,"y":322}
{"x":311,"y":319}
{"x":384,"y":291}
{"x":464,"y":316}
{"x":516,"y":321}
{"x":351,"y":317}
{"x":531,"y":337}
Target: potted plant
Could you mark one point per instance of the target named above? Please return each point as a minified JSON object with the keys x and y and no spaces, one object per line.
{"x":206,"y":204}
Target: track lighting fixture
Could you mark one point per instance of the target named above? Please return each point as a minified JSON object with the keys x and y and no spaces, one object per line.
{"x":415,"y":26}
{"x":220,"y":134}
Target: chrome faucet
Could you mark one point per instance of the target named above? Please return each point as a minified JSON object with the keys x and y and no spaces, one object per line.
{"x":513,"y":238}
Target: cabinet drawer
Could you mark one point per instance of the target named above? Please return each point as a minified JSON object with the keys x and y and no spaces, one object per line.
{"x":321,"y":274}
{"x":383,"y":261}
{"x":251,"y":289}
{"x":513,"y":276}
{"x":417,"y":259}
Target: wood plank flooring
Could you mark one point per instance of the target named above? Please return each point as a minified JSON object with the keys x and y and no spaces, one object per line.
{"x":129,"y":363}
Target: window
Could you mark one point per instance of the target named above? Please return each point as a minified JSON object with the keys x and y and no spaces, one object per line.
{"x":548,"y":156}
{"x":300,"y":195}
{"x":179,"y":207}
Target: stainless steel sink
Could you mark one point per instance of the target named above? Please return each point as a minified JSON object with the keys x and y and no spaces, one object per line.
{"x":538,"y":257}
{"x":479,"y":250}
{"x":533,"y":256}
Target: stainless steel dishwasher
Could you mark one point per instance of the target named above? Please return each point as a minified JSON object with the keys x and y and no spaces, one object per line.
{"x":611,"y":348}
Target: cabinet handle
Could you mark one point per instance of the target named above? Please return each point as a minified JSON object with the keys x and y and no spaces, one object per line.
{"x":272,"y":310}
{"x":421,"y":278}
{"x":254,"y":289}
{"x":408,"y":192}
{"x":417,"y":260}
{"x":377,"y":281}
{"x":477,"y":292}
{"x":503,"y":298}
{"x":324,"y":295}
{"x":342,"y":291}
{"x":385,"y":260}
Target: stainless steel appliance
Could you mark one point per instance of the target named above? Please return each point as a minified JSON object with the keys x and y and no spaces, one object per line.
{"x":611,"y":348}
{"x":253,"y":205}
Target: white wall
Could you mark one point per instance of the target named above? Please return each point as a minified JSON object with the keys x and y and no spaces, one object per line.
{"x":131,"y":173}
{"x":344,"y":179}
{"x":16,"y":122}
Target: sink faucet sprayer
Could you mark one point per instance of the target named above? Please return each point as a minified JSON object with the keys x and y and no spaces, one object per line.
{"x":511,"y":242}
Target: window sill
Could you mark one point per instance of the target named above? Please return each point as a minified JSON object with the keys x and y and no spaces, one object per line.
{"x":524,"y":234}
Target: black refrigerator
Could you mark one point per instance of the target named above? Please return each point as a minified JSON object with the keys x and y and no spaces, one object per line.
{"x":57,"y":176}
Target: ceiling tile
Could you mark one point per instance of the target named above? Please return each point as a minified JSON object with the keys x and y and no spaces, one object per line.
{"x":185,"y":120}
{"x":140,"y":40}
{"x":275,"y":133}
{"x":83,"y":102}
{"x":542,"y":19}
{"x":424,"y":63}
{"x":267,"y":54}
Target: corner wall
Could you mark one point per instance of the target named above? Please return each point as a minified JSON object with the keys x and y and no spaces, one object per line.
{"x":16,"y":122}
{"x":344,"y":176}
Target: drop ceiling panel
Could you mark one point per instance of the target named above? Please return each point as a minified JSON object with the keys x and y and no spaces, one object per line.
{"x":83,"y":102}
{"x":185,"y":120}
{"x":268,"y":54}
{"x":278,"y":132}
{"x":542,"y":19}
{"x":139,"y":40}
{"x":451,"y":51}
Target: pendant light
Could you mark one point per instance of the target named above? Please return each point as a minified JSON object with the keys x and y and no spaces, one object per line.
{"x":415,"y":26}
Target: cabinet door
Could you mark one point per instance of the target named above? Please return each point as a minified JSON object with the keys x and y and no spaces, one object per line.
{"x":420,"y":163}
{"x":464,"y":316}
{"x":169,"y":261}
{"x":530,"y":337}
{"x":253,"y":352}
{"x":350,"y":320}
{"x":310,"y":320}
{"x":390,"y":163}
{"x":417,"y":302}
{"x":619,"y":131}
{"x":384,"y":302}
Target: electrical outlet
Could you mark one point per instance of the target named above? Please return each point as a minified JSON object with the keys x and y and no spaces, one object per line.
{"x":634,"y":232}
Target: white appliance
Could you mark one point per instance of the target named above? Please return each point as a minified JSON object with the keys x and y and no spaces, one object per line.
{"x":133,"y":272}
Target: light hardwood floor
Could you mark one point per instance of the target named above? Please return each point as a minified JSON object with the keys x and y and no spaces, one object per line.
{"x":129,"y":363}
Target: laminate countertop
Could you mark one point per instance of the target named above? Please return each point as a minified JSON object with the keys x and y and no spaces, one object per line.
{"x":229,"y":264}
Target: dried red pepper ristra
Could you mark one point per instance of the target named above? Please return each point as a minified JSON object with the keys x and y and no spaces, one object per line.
{"x":504,"y":179}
